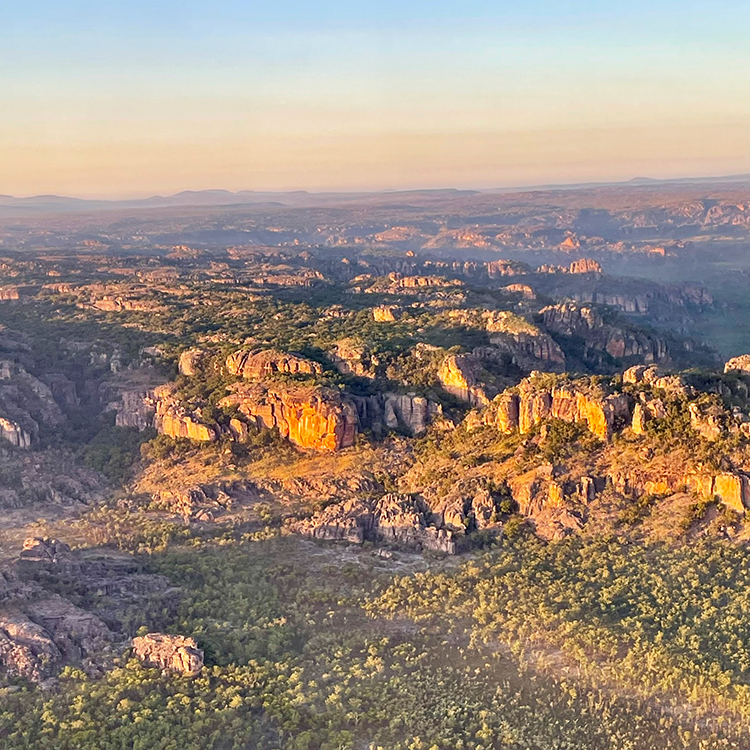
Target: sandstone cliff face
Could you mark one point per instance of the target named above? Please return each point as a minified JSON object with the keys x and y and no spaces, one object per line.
{"x":408,"y":411}
{"x":173,"y":653}
{"x":135,"y":409}
{"x":14,"y":433}
{"x":572,"y":320}
{"x":458,"y":376}
{"x":315,"y":418}
{"x":585,"y":265}
{"x":385,"y":313}
{"x":532,"y":404}
{"x":171,"y":417}
{"x":26,"y":404}
{"x":9,"y":293}
{"x":733,"y":489}
{"x":257,"y":364}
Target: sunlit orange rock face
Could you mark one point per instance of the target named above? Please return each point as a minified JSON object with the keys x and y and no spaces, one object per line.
{"x":529,"y":406}
{"x":458,"y":375}
{"x":313,"y":418}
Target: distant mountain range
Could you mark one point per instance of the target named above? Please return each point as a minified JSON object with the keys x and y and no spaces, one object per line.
{"x":12,"y":206}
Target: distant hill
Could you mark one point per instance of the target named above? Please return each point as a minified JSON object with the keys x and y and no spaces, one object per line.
{"x":41,"y":204}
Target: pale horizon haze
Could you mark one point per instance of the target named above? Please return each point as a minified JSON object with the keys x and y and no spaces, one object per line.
{"x":126,"y":99}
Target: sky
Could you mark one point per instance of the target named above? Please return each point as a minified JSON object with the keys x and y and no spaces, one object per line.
{"x":127,"y":98}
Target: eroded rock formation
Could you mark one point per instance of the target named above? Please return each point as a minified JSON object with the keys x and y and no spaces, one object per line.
{"x":458,"y":374}
{"x":173,"y":419}
{"x":316,"y":418}
{"x":173,"y":653}
{"x":585,"y":322}
{"x":261,"y":363}
{"x":397,"y":519}
{"x":534,"y":401}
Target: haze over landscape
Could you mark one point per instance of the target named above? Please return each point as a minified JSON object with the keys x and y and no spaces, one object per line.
{"x":129,"y":99}
{"x":374,"y":376}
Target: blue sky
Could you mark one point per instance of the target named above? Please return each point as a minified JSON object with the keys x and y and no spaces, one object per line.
{"x":126,"y":98}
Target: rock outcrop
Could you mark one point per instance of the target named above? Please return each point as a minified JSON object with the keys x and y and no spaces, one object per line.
{"x":190,"y":361}
{"x":173,"y":419}
{"x":458,"y":374}
{"x":26,"y":649}
{"x":409,"y":412}
{"x":350,"y":357}
{"x":528,"y":346}
{"x":385,"y":313}
{"x":135,"y":408}
{"x":172,"y":653}
{"x":732,"y":489}
{"x":586,"y":323}
{"x":315,"y":418}
{"x":534,"y":401}
{"x":396,"y":519}
{"x":262,"y":363}
{"x":26,"y":404}
{"x":44,"y":550}
{"x":14,"y":433}
{"x":738,"y":364}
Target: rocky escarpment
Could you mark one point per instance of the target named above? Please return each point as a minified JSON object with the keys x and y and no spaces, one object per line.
{"x":528,"y":345}
{"x":586,"y":323}
{"x":310,"y":417}
{"x":397,"y":519}
{"x":26,"y":405}
{"x":535,"y":400}
{"x":172,"y":418}
{"x":256,"y":364}
{"x":459,"y":374}
{"x":172,"y":653}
